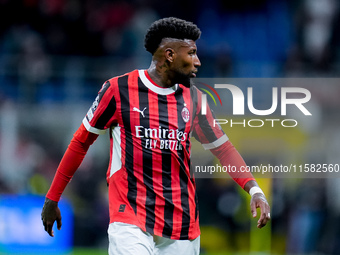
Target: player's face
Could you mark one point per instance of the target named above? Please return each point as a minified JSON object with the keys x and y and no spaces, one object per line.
{"x":185,"y":62}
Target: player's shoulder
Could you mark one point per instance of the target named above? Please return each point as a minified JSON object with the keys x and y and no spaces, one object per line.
{"x":131,"y":73}
{"x":116,"y":82}
{"x":194,"y":90}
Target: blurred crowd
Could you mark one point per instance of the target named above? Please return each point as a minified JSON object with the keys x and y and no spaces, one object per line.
{"x":55,"y":54}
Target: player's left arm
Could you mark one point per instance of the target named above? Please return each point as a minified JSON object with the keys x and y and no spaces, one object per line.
{"x":213,"y":138}
{"x":228,"y":155}
{"x":258,"y":200}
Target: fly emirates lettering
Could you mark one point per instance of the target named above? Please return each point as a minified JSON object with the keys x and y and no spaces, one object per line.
{"x":162,"y":138}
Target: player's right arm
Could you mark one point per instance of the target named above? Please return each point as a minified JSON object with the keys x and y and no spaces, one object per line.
{"x":74,"y":155}
{"x":99,"y":118}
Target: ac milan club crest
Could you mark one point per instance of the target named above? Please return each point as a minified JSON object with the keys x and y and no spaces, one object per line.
{"x":185,"y":114}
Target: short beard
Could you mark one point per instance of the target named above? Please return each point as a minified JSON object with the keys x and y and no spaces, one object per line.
{"x":183,"y":79}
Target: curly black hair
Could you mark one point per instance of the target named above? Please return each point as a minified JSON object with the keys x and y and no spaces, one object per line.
{"x":169,"y":28}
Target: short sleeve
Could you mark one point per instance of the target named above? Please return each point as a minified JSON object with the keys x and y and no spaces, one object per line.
{"x":102,"y":113}
{"x":205,"y":129}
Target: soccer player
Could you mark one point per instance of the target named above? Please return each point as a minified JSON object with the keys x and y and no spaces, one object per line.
{"x":151,"y":115}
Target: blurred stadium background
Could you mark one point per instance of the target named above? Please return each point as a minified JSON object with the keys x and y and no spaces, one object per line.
{"x":54,"y":57}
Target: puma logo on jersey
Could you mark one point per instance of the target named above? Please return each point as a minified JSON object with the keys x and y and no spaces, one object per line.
{"x":137,"y":110}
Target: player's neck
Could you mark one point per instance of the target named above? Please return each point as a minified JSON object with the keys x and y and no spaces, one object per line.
{"x":158,"y":72}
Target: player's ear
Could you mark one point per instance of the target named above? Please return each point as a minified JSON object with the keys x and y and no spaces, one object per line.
{"x":169,"y":54}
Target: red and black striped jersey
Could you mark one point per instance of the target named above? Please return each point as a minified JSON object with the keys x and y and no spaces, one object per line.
{"x":149,"y":171}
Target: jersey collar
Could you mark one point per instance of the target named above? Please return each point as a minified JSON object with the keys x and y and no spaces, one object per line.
{"x":159,"y":90}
